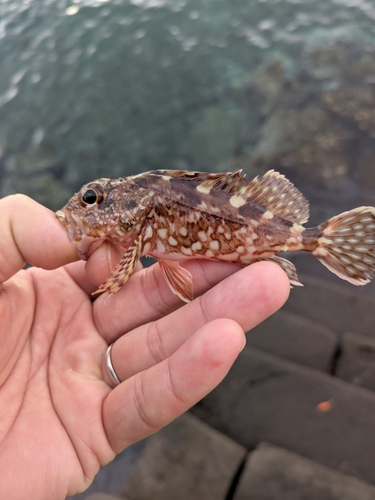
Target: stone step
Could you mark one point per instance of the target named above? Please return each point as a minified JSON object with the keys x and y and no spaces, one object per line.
{"x":265,"y":398}
{"x":295,"y":338}
{"x":186,"y":460}
{"x":272,"y":473}
{"x":103,"y":496}
{"x":356,"y":362}
{"x":335,"y":307}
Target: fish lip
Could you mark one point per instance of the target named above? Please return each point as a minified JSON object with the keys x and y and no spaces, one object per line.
{"x":61,"y":217}
{"x":76,"y":233}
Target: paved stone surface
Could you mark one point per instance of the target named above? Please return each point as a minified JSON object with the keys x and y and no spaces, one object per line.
{"x":103,"y":496}
{"x":111,"y":479}
{"x":186,"y":460}
{"x":264,"y":398}
{"x":272,"y":473}
{"x":339,"y":309}
{"x":356,"y":363}
{"x":295,"y":338}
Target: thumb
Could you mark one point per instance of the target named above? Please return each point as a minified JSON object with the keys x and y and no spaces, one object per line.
{"x":31,"y":233}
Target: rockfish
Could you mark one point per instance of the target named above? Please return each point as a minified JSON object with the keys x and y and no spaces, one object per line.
{"x":178,"y":215}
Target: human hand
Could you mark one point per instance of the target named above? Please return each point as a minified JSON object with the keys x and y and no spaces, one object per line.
{"x":60,"y":420}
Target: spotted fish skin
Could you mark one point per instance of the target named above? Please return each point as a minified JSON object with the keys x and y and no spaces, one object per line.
{"x":179,"y":215}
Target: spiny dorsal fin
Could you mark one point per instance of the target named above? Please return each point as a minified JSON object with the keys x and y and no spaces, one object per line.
{"x":225,"y":181}
{"x":274,"y":192}
{"x":229,"y":182}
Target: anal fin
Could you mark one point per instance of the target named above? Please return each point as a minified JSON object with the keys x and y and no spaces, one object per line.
{"x":178,"y":279}
{"x":288,"y":267}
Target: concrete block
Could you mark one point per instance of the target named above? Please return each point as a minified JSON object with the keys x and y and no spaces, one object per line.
{"x":264,"y":398}
{"x":295,"y":338}
{"x":272,"y":473}
{"x":337,"y":308}
{"x":185,"y":460}
{"x":356,"y":363}
{"x":103,"y":496}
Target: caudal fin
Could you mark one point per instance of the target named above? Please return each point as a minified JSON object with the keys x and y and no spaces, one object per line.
{"x":347,"y":245}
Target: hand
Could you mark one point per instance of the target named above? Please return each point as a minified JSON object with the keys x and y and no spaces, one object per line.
{"x":59,"y":418}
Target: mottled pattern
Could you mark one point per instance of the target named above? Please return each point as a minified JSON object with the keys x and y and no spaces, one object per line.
{"x":179,"y":215}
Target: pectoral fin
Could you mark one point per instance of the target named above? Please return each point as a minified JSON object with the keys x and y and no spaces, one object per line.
{"x":124,"y":269}
{"x":179,"y":279}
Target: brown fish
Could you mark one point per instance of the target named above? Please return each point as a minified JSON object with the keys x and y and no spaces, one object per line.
{"x":178,"y":215}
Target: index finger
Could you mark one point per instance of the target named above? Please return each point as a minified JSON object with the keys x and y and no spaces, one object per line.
{"x":31,"y":233}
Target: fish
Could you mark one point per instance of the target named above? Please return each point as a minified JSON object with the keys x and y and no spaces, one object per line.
{"x":175,"y":216}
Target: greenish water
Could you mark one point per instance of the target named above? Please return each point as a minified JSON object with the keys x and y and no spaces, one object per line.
{"x":110,"y":88}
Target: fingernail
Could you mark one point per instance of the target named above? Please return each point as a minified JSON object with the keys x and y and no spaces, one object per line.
{"x":244,"y":345}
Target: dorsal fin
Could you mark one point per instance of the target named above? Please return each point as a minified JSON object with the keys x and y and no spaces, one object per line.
{"x":274,"y":192}
{"x":229,"y":182}
{"x":224,"y":181}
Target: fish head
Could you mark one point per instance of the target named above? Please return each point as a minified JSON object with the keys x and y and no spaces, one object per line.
{"x":105,"y":209}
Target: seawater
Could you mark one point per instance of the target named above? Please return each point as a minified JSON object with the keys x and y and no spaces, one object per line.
{"x":96,"y":88}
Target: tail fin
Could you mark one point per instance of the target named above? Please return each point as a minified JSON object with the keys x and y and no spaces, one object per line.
{"x":347,"y":245}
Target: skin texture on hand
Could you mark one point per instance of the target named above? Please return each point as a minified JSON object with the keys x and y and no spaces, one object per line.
{"x":59,"y":418}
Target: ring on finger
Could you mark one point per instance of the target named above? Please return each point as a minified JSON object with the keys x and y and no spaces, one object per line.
{"x":115,"y":381}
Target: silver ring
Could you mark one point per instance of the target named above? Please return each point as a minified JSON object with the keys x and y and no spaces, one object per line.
{"x":112,"y":374}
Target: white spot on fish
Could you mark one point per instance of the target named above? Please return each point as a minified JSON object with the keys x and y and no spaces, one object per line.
{"x":202,"y":236}
{"x":268,"y":215}
{"x":186,"y":251}
{"x":172,"y":241}
{"x":210,"y":254}
{"x":240,"y":249}
{"x":196,"y":246}
{"x":228,"y":235}
{"x":183,"y":231}
{"x":160,"y":247}
{"x":149,"y":232}
{"x":203,"y":189}
{"x":237,"y":201}
{"x":298,"y":228}
{"x":214,"y":245}
{"x":162,"y":233}
{"x":165,"y":178}
{"x":229,"y":256}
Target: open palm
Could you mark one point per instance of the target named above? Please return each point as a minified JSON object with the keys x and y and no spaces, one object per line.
{"x":60,"y":419}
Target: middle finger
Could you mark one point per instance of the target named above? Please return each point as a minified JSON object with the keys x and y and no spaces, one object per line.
{"x":247,"y":297}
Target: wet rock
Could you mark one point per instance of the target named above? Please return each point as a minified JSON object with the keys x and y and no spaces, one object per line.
{"x":185,"y":460}
{"x":274,"y":473}
{"x":264,"y":398}
{"x":356,"y":363}
{"x":295,"y":338}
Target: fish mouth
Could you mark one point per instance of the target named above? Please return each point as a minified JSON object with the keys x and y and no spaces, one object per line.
{"x":77,"y":234}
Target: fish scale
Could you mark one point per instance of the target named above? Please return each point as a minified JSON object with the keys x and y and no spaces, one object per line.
{"x":179,"y":215}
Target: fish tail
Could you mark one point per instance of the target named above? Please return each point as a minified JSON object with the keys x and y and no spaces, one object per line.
{"x":347,"y":245}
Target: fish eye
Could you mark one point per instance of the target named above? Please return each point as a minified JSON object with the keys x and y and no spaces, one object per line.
{"x":92,"y":195}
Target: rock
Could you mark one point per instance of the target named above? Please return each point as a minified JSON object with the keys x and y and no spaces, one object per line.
{"x":339,"y":309}
{"x":103,"y":496}
{"x":185,"y":460}
{"x":272,"y":473}
{"x":295,"y":338}
{"x":356,"y":363}
{"x":323,"y":418}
